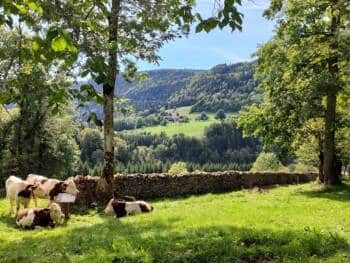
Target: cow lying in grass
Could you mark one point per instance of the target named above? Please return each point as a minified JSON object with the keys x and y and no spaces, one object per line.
{"x":19,"y":192}
{"x":40,"y":217}
{"x":121,"y":208}
{"x":51,"y":188}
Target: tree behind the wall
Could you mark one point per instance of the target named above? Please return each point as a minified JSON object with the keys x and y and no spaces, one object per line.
{"x":33,"y":138}
{"x":303,"y":70}
{"x":113,"y":35}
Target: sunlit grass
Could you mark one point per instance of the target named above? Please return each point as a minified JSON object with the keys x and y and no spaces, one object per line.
{"x":193,"y":128}
{"x":286,"y":224}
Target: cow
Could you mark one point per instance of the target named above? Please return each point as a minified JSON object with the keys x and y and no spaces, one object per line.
{"x":40,"y":217}
{"x":19,"y":191}
{"x":121,"y":208}
{"x":51,"y":188}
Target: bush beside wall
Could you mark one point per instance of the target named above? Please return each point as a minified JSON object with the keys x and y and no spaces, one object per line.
{"x":150,"y":186}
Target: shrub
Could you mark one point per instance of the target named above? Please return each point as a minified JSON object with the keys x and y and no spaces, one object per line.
{"x":202,"y":117}
{"x":178,"y":168}
{"x":301,"y":167}
{"x":163,"y":123}
{"x":85,"y":169}
{"x":267,"y":162}
{"x":96,"y":171}
{"x":220,"y":115}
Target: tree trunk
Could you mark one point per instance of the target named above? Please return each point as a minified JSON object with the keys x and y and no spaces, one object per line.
{"x":329,"y":144}
{"x":321,"y":167}
{"x":108,"y":110}
{"x":331,"y":177}
{"x":108,"y":94}
{"x":19,"y":164}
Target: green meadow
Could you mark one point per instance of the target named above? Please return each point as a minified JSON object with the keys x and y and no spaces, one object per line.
{"x":300,"y":223}
{"x":193,"y":128}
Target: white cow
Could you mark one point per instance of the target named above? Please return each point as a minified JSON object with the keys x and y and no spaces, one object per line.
{"x":40,"y":217}
{"x":121,"y":208}
{"x":50,"y":188}
{"x":18,"y":191}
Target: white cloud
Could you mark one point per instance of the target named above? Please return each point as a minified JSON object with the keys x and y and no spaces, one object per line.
{"x":255,"y":4}
{"x":227,"y":55}
{"x":207,"y":7}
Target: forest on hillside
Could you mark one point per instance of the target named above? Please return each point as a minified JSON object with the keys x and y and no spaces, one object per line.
{"x":62,"y":146}
{"x":227,"y":87}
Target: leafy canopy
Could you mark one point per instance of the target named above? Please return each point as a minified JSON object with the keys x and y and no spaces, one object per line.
{"x":293,"y":69}
{"x":76,"y":33}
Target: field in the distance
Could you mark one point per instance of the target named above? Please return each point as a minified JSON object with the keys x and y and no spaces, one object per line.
{"x":288,"y":224}
{"x":193,"y":128}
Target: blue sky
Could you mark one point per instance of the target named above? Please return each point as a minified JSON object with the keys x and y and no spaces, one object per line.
{"x":203,"y":51}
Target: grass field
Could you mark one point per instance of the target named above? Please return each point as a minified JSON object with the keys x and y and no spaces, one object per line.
{"x":193,"y":128}
{"x":288,"y":224}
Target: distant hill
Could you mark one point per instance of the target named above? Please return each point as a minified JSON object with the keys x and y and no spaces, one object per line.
{"x":157,"y":89}
{"x":226,"y":87}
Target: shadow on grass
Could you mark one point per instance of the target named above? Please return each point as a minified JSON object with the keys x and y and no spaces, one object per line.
{"x":338,"y":193}
{"x":168,"y":240}
{"x":8,"y":220}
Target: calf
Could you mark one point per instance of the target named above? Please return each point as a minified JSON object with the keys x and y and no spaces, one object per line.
{"x":124,"y":208}
{"x":50,"y":188}
{"x":40,"y":217}
{"x":19,"y":191}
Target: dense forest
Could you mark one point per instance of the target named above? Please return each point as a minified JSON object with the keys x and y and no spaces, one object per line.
{"x":155,"y":90}
{"x":226,"y":87}
{"x":222,"y":146}
{"x":61,"y":146}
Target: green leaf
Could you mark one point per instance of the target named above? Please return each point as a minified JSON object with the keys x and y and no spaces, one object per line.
{"x":93,"y":117}
{"x":199,"y":28}
{"x":210,"y":24}
{"x":21,"y":9}
{"x":35,"y":46}
{"x":72,"y":49}
{"x":59,"y":44}
{"x":99,"y":99}
{"x":85,"y":73}
{"x":35,"y":7}
{"x":55,"y":110}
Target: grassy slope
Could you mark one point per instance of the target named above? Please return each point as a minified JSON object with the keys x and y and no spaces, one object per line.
{"x":287,"y":224}
{"x":193,"y":128}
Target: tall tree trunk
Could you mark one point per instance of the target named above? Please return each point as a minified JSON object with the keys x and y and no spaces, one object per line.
{"x":321,"y":167}
{"x":108,"y":93}
{"x":331,"y":177}
{"x":19,"y":156}
{"x":329,"y":144}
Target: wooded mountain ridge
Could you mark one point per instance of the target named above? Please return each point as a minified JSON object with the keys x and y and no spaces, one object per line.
{"x":226,"y":87}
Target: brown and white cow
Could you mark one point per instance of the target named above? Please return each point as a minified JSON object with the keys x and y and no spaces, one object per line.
{"x":19,"y":192}
{"x":40,"y":217}
{"x":51,"y":188}
{"x":121,"y":208}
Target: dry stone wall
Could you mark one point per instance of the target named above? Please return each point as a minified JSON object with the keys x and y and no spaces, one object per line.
{"x":150,"y":186}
